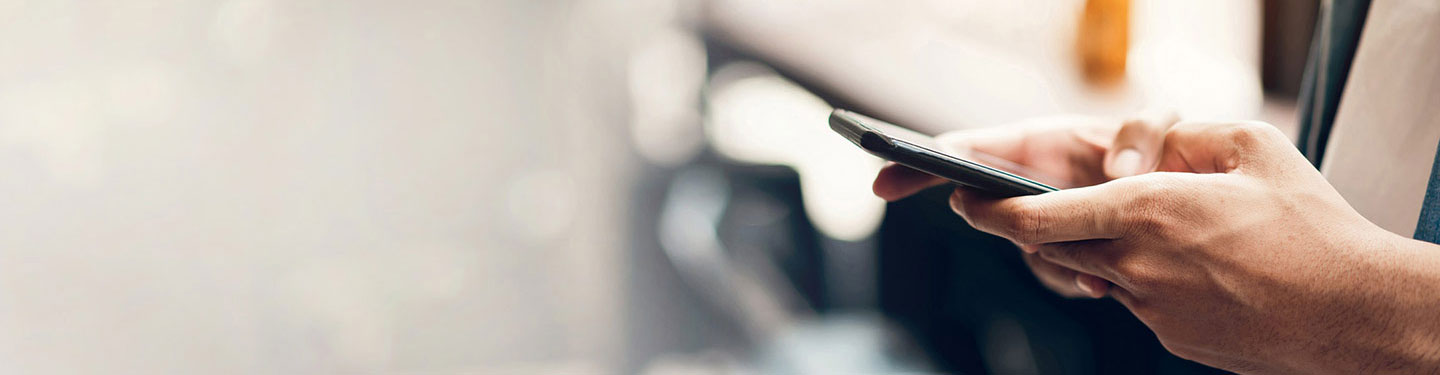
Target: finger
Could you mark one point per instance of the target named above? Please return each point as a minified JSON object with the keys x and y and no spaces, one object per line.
{"x":1093,"y":257}
{"x":1064,"y":281}
{"x":896,"y":181}
{"x":1009,"y":141}
{"x":1059,"y":279}
{"x":1067,"y":215}
{"x":1092,"y":286}
{"x":1002,"y":142}
{"x":1222,"y":147}
{"x":1137,"y":145}
{"x":1125,"y":297}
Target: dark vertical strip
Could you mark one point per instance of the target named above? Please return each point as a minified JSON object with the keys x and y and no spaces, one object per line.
{"x":1306,"y":102}
{"x":1428,"y":229}
{"x":1337,"y":33}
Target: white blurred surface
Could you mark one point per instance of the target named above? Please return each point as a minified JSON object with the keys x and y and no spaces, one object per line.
{"x":756,"y":116}
{"x":943,"y":65}
{"x":267,"y":186}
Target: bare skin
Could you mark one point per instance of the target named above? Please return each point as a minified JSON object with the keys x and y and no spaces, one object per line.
{"x":1235,"y":251}
{"x":1072,"y":151}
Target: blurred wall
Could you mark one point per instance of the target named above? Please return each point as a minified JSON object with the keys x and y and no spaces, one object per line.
{"x":267,"y":186}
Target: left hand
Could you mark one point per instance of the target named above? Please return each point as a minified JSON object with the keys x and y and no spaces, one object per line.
{"x":1069,"y":151}
{"x":1248,"y":260}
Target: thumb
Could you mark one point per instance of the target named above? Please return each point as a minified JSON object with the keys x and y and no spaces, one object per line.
{"x":1137,"y":145}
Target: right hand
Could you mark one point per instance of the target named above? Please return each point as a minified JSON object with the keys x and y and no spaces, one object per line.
{"x":1073,"y":151}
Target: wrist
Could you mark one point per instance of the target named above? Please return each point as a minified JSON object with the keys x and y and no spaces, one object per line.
{"x":1397,"y":306}
{"x":1416,"y":289}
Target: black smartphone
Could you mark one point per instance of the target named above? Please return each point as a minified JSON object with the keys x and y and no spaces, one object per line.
{"x":920,"y":152}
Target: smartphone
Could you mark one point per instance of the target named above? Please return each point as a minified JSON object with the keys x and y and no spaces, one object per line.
{"x":920,"y":152}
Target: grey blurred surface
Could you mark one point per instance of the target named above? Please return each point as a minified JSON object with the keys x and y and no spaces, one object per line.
{"x":267,"y":186}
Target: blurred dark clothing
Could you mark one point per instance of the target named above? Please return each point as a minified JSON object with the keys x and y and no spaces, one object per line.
{"x":1337,"y":34}
{"x":956,"y":289}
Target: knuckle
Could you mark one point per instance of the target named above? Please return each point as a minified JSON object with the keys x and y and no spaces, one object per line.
{"x":1251,"y":132}
{"x":1150,"y":193}
{"x":1151,"y":200}
{"x":1238,"y":133}
{"x":1135,"y":273}
{"x":1261,"y":128}
{"x":1023,"y":225}
{"x":1151,"y":219}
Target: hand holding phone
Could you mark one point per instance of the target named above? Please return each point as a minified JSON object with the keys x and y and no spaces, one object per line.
{"x":920,"y":152}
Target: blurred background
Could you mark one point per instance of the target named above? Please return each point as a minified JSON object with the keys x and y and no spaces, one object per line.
{"x":563,"y":186}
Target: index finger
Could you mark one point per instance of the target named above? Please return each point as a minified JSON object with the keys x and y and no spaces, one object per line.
{"x":1084,"y":213}
{"x":896,"y":181}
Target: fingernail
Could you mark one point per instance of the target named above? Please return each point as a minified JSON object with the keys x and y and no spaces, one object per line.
{"x":1127,"y":163}
{"x":1080,"y":283}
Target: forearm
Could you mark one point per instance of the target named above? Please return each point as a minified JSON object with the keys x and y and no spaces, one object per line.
{"x":1398,"y":312}
{"x":1418,"y":298}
